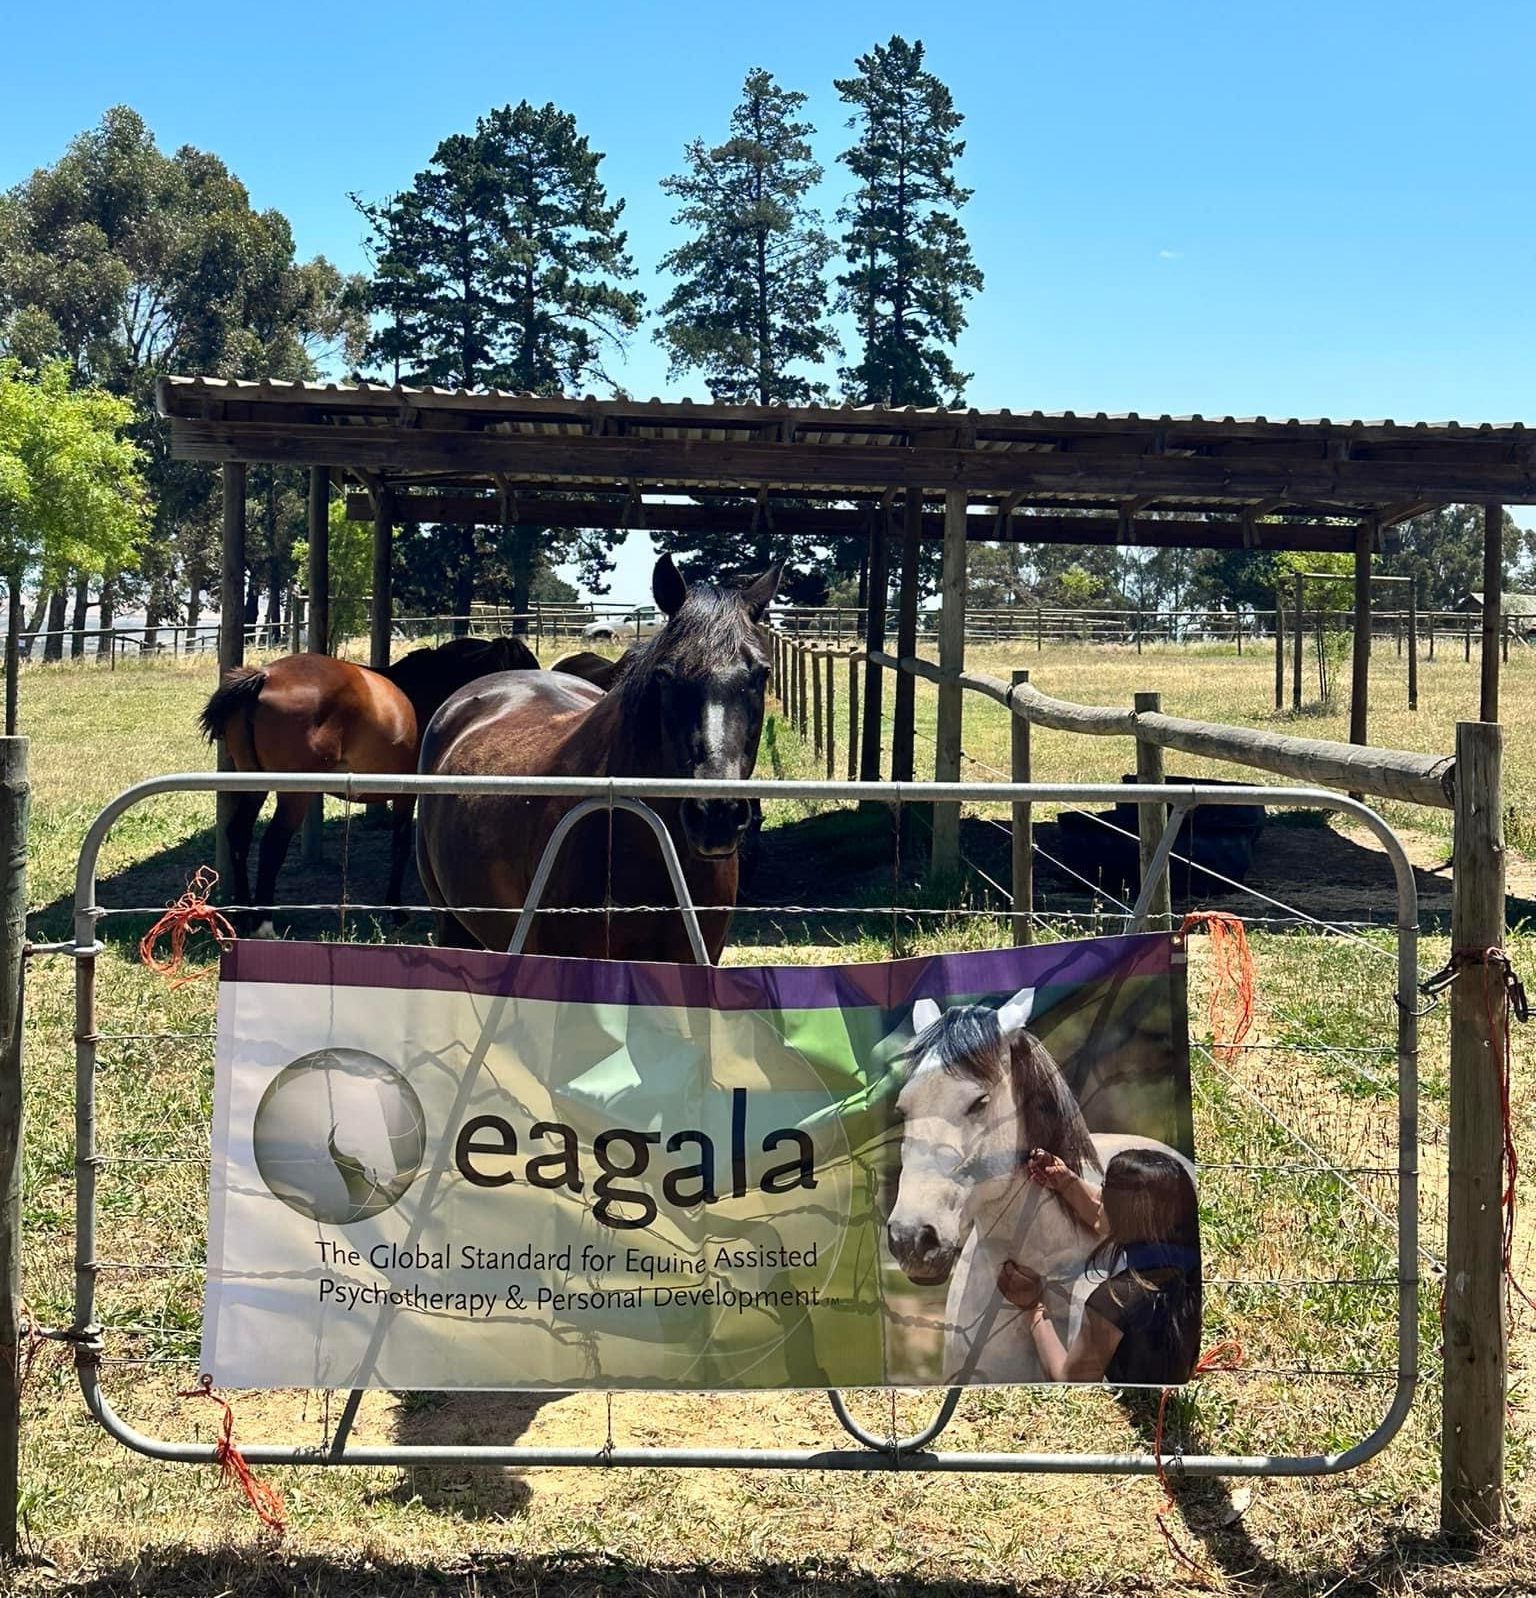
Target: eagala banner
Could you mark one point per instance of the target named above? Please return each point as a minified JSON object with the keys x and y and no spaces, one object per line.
{"x":435,"y":1168}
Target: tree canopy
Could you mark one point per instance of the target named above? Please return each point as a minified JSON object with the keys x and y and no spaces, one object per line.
{"x":71,"y":494}
{"x":910,"y":271}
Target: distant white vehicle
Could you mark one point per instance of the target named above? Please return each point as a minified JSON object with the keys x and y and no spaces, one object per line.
{"x":609,"y":632}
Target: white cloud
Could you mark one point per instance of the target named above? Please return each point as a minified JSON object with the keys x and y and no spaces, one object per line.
{"x":1170,"y":255}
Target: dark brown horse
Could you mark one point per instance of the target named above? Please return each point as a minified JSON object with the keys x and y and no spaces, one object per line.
{"x":686,"y":703}
{"x":316,"y":713}
{"x":595,"y":669}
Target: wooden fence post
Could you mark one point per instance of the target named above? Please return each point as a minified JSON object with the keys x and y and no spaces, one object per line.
{"x":831,"y":659}
{"x":15,"y":801}
{"x":1413,"y":645}
{"x":853,"y":715}
{"x":1023,"y":829}
{"x":1151,"y":819}
{"x":802,"y":720}
{"x":1298,"y":642}
{"x":1279,"y":649}
{"x":1472,"y":1431}
{"x":816,"y":700}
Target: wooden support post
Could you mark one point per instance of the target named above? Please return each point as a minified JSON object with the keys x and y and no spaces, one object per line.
{"x":15,"y":805}
{"x":1475,"y":1377}
{"x":815,"y":655}
{"x":904,"y":711}
{"x":1413,"y":644}
{"x":1279,"y":649}
{"x":946,"y":766}
{"x":874,"y":639}
{"x":231,"y":631}
{"x":1150,"y":820}
{"x":1298,"y":614}
{"x":831,"y":660}
{"x":383,"y":578}
{"x":318,"y":631}
{"x":13,"y":654}
{"x":1432,"y":634}
{"x":1360,"y":657}
{"x":1493,"y":607}
{"x":853,"y":715}
{"x":1039,"y":629}
{"x":1023,"y":830}
{"x":1466,"y":653}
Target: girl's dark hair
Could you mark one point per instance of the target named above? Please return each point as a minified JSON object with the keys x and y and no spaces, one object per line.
{"x":1148,"y":1197}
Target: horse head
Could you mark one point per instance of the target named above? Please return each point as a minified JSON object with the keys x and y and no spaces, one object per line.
{"x":692,"y":697}
{"x":981,"y":1092}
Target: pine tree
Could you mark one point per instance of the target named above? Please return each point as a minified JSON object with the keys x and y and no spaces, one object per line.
{"x":749,"y":309}
{"x":910,"y":269}
{"x":501,"y":266}
{"x":750,"y":306}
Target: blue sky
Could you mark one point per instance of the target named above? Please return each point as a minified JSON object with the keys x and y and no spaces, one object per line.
{"x":1309,"y":209}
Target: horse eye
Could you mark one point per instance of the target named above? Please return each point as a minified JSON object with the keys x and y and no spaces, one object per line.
{"x":979,"y":1104}
{"x":666,"y":675}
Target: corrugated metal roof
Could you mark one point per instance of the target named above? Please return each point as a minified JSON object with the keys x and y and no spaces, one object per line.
{"x":839,"y":421}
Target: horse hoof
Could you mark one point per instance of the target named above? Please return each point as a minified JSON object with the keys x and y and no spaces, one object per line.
{"x":265,"y":930}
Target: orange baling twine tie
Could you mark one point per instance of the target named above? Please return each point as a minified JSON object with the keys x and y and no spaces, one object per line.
{"x":261,"y":1496}
{"x":1226,"y":1355}
{"x":190,"y":910}
{"x":1231,"y":1003}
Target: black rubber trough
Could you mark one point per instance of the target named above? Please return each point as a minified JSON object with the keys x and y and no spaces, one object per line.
{"x":1213,"y":851}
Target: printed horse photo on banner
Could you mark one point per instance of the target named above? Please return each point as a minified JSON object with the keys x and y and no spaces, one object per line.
{"x":459,"y":1168}
{"x":1048,"y":1192}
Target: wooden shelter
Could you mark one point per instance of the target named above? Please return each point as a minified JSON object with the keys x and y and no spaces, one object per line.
{"x":892,"y":477}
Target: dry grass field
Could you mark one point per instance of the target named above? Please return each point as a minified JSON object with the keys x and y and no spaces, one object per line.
{"x":1296,"y":1216}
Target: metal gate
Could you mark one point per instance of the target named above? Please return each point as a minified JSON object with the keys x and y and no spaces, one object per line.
{"x":873,"y":1452}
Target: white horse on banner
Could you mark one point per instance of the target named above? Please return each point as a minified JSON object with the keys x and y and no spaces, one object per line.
{"x":981,"y":1094}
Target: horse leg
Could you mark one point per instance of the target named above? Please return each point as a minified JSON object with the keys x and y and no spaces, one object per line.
{"x":402,"y":807}
{"x":286,"y":820}
{"x":242,"y":825}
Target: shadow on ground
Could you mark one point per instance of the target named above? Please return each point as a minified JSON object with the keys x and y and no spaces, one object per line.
{"x":1401,"y":1562}
{"x":355,"y":867}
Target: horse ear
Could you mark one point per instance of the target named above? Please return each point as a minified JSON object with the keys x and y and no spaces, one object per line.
{"x":667,"y":586}
{"x":924,"y":1013}
{"x":1014,"y":1016}
{"x":758,"y":594}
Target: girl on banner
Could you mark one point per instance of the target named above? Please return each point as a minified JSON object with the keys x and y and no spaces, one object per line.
{"x":1141,"y":1324}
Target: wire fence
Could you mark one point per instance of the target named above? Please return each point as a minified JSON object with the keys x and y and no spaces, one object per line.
{"x":1299,"y":1187}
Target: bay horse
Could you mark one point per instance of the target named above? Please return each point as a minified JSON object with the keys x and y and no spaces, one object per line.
{"x":981,"y":1093}
{"x":312,"y":712}
{"x":687,"y":702}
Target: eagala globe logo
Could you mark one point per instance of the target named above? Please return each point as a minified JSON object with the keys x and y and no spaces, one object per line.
{"x":339,"y":1135}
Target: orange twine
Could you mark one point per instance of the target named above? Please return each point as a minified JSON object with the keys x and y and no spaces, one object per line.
{"x":1231,"y":979}
{"x":1226,"y":1355}
{"x":261,"y":1496}
{"x":190,"y":910}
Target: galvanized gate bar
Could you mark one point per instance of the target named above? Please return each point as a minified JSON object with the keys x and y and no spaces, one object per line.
{"x":876,"y":1454}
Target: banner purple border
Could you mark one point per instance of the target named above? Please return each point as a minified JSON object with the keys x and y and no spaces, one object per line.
{"x":888,"y":984}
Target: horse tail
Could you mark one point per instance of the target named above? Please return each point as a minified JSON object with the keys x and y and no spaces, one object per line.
{"x":240,"y":690}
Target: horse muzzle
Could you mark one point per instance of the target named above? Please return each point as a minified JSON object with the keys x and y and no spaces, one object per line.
{"x":714,"y":828}
{"x":922,"y":1256}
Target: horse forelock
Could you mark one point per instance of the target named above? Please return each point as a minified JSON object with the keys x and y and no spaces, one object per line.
{"x":964,"y":1042}
{"x":708,"y":631}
